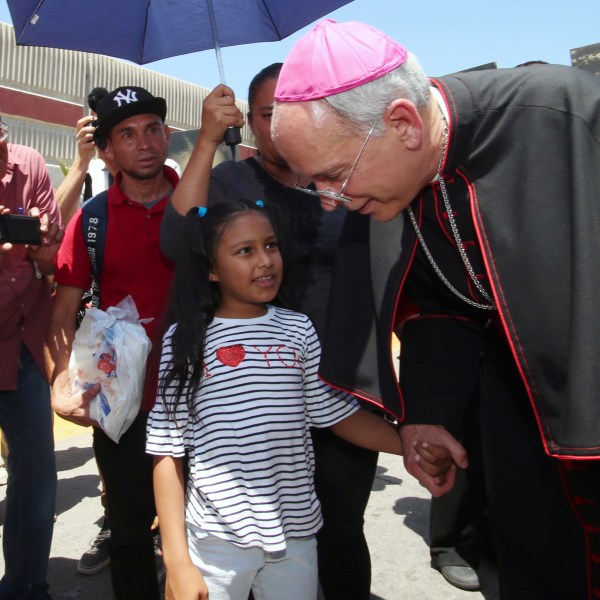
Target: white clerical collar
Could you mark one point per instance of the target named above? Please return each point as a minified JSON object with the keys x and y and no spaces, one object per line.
{"x":440,"y":100}
{"x":437,"y":95}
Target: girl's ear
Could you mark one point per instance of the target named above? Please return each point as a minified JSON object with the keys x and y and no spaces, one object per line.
{"x":212,"y":275}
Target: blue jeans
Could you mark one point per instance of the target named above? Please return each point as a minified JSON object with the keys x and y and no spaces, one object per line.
{"x":26,"y":421}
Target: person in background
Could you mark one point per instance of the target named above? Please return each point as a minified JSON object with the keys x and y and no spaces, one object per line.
{"x":25,"y":412}
{"x":131,"y":128}
{"x":92,"y":171}
{"x":344,"y":472}
{"x":458,"y":522}
{"x":78,"y":186}
{"x":474,"y":222}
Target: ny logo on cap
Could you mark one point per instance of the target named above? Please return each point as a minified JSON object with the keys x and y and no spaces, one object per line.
{"x":128,"y":98}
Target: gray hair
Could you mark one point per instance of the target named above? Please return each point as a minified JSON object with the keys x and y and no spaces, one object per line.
{"x":358,"y":108}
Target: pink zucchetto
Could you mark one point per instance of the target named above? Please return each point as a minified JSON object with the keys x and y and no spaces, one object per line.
{"x":335,"y":57}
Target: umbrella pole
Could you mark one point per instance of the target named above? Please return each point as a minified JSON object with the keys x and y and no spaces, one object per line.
{"x":213,"y":28}
{"x":233,"y":135}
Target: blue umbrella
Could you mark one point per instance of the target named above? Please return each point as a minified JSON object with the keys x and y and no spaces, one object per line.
{"x":144,"y":31}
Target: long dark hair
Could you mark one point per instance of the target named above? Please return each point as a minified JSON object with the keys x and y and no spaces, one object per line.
{"x":194,"y":299}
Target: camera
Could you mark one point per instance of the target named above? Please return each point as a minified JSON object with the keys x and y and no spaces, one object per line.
{"x":20,"y":229}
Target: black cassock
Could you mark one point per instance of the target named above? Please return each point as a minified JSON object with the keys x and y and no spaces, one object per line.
{"x":524,"y":161}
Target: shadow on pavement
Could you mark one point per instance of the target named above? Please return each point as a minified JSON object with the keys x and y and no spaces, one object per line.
{"x":416,"y":511}
{"x":382,"y":481}
{"x":72,"y":458}
{"x":67,"y":584}
{"x":74,"y":490}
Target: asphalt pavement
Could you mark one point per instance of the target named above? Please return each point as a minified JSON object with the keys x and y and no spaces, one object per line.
{"x":397,"y":521}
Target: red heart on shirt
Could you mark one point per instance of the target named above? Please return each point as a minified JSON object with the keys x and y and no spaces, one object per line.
{"x":231,"y":356}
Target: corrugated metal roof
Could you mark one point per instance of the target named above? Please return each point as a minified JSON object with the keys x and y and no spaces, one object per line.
{"x":69,"y":76}
{"x":54,"y":142}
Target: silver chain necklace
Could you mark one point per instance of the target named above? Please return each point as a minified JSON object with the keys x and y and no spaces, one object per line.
{"x":455,"y":234}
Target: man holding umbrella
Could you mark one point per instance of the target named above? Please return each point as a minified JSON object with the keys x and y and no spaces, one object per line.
{"x":492,"y":278}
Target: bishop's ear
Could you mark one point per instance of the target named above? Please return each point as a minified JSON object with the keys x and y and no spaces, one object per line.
{"x":405,"y":121}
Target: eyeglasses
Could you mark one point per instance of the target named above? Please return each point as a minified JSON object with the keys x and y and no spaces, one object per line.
{"x":3,"y":131}
{"x":329,"y":193}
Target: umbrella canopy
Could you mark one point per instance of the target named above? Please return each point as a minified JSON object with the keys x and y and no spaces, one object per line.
{"x":144,"y":31}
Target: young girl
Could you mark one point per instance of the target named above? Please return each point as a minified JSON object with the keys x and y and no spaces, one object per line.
{"x":239,"y":391}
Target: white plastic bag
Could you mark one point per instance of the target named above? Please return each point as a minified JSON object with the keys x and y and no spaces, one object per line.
{"x":111,"y":348}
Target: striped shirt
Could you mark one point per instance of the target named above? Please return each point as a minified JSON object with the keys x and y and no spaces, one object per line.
{"x":250,"y":451}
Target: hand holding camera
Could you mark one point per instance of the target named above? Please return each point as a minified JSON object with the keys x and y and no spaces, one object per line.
{"x":19,"y":229}
{"x":85,"y":138}
{"x":42,"y":237}
{"x":52,"y":234}
{"x":4,"y":246}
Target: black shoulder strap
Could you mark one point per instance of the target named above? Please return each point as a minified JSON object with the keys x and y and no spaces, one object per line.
{"x":93,"y":222}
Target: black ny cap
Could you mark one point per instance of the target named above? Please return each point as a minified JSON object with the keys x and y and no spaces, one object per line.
{"x":125,"y":102}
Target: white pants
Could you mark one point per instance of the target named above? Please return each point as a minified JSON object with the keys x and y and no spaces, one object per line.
{"x":231,"y":572}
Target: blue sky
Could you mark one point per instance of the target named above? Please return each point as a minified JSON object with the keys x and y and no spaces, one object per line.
{"x":445,"y":36}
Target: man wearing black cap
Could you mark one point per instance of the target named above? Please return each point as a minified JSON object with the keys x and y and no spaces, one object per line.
{"x":91,"y":172}
{"x":132,"y":133}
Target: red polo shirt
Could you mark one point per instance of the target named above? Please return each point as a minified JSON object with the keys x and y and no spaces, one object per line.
{"x":24,"y":299}
{"x":132,"y":262}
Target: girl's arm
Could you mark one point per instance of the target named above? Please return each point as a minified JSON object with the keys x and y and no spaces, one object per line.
{"x":218,"y":113}
{"x":369,"y":431}
{"x":365,"y":429}
{"x":184,"y":580}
